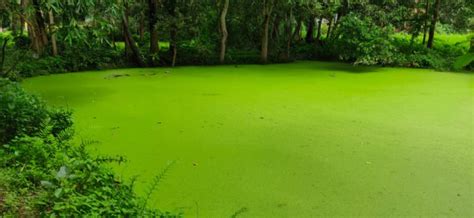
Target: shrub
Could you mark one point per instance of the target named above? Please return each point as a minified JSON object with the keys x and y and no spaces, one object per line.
{"x":465,"y":61}
{"x":20,"y":113}
{"x":362,"y":41}
{"x":43,"y":174}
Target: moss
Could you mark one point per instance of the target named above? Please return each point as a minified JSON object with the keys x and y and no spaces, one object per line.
{"x":334,"y":139}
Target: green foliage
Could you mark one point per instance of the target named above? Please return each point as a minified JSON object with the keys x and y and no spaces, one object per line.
{"x":464,"y":61}
{"x":41,"y":66}
{"x":363,"y":42}
{"x":74,"y":58}
{"x":361,"y":32}
{"x":20,"y":113}
{"x":43,"y":174}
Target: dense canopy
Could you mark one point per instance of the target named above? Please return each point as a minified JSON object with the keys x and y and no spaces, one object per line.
{"x":87,"y":34}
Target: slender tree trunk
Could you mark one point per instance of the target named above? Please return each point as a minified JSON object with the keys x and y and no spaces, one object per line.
{"x":318,"y":36}
{"x":223,"y":30}
{"x":128,"y":51}
{"x":141,"y":22}
{"x":53,"y":35}
{"x":276,"y":27}
{"x":433,"y":23}
{"x":31,"y":35}
{"x":310,"y":30}
{"x":289,"y":34}
{"x":2,"y":60}
{"x":173,"y":31}
{"x":425,"y":25}
{"x":329,"y":27}
{"x":266,"y":26}
{"x":173,"y":44}
{"x":40,"y":27}
{"x":14,"y":23}
{"x":267,"y":12}
{"x":154,"y":45}
{"x":297,"y":32}
{"x":135,"y":52}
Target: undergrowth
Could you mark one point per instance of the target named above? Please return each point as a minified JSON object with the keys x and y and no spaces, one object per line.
{"x":42,"y":173}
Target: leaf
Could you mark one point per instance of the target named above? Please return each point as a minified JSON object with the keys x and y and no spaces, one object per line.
{"x":62,"y":173}
{"x":46,"y":183}
{"x":58,"y":192}
{"x":463,"y":61}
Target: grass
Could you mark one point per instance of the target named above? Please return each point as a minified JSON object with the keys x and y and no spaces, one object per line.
{"x":462,"y":40}
{"x":289,"y":140}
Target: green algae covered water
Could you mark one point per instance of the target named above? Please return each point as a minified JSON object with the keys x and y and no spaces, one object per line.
{"x":294,"y":140}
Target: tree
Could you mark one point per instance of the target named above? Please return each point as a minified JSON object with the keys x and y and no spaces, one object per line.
{"x":38,"y":32}
{"x":129,"y":41}
{"x":267,"y":9}
{"x":425,"y":20}
{"x":223,"y":28}
{"x":152,"y":22}
{"x":433,"y":24}
{"x":310,"y":30}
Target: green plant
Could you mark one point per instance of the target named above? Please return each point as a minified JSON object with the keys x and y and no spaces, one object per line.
{"x":20,"y":112}
{"x":360,"y":40}
{"x":464,"y":61}
{"x":43,"y":174}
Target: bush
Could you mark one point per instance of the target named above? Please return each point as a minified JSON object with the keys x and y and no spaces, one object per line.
{"x":441,"y":57}
{"x":42,"y":66}
{"x":42,"y":174}
{"x":362,"y":41}
{"x":71,"y":59}
{"x":20,"y":113}
{"x":464,"y":62}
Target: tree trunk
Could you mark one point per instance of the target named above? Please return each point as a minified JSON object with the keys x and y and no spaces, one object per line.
{"x":154,"y":46}
{"x":275,"y":28}
{"x":135,"y":52}
{"x":32,"y":37}
{"x":41,"y":37}
{"x":310,"y":31}
{"x":173,"y":44}
{"x":318,"y":36}
{"x":13,"y":24}
{"x":266,"y":26}
{"x":171,"y":6}
{"x":289,"y":34}
{"x":53,"y":35}
{"x":433,"y":23}
{"x":425,"y":25}
{"x":296,"y":34}
{"x":223,"y":30}
{"x":2,"y":57}
{"x":267,"y":12}
{"x":329,"y":27}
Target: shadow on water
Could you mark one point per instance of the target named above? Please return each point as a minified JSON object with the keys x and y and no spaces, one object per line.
{"x":349,"y":68}
{"x":73,"y":96}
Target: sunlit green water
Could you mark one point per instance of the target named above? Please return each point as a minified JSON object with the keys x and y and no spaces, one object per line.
{"x":293,"y":140}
